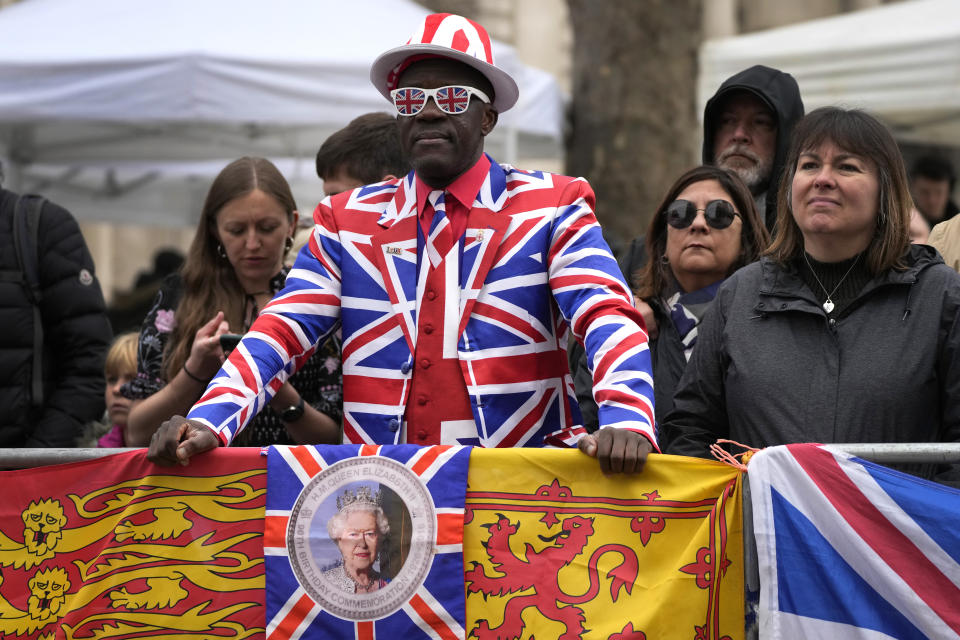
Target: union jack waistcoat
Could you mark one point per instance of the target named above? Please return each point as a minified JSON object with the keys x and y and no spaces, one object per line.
{"x":533,"y":264}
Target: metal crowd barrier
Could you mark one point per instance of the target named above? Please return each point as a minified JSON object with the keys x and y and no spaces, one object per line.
{"x":27,"y":458}
{"x":882,"y":453}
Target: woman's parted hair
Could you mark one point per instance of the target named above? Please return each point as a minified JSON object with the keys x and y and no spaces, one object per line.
{"x":855,"y":131}
{"x":653,"y":279}
{"x":336,"y":524}
{"x":209,"y":281}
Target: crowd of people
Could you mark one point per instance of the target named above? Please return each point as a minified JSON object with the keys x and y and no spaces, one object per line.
{"x":784,"y":291}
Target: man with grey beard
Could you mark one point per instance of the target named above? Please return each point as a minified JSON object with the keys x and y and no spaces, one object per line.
{"x":747,"y":126}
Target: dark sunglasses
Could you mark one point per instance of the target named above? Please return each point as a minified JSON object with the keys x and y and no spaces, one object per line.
{"x":719,"y":214}
{"x":454,"y":99}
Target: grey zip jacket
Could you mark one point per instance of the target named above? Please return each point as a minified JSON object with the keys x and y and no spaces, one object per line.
{"x":770,"y":366}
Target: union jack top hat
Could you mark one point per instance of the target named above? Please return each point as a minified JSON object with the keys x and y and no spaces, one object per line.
{"x":450,"y":36}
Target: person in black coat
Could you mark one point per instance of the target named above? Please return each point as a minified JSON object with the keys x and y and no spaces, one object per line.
{"x":747,"y":125}
{"x":75,"y":336}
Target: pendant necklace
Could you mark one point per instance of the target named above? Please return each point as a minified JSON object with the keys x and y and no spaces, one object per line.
{"x":828,"y":305}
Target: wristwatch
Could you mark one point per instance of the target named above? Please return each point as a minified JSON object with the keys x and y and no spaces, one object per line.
{"x":294,"y":413}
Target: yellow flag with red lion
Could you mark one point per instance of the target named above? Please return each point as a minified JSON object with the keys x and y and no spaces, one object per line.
{"x":554,"y":549}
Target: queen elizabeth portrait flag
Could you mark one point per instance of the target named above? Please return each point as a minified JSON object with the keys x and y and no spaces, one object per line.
{"x":365,"y":541}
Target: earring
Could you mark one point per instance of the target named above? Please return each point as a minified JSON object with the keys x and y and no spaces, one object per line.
{"x":288,"y":243}
{"x":221,"y":251}
{"x":664,"y":259}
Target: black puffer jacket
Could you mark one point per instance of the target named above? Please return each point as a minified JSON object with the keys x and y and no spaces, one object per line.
{"x":770,"y":367}
{"x":779,"y":91}
{"x":76,"y":334}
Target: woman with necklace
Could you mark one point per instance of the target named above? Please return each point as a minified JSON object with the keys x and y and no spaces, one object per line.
{"x":705,"y":228}
{"x":234,"y":267}
{"x":843,"y":332}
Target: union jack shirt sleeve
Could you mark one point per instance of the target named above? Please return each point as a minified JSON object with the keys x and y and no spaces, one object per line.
{"x":596,"y":302}
{"x":304,"y":314}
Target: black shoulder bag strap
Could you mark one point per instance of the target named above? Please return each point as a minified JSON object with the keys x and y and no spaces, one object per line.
{"x":26,"y":225}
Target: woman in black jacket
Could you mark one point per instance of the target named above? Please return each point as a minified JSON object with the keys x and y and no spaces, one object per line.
{"x":705,"y":228}
{"x":843,"y":331}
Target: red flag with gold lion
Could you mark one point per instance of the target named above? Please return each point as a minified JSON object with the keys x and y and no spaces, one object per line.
{"x":117,"y":548}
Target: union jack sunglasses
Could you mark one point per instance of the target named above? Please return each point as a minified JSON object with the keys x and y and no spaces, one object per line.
{"x":454,"y":99}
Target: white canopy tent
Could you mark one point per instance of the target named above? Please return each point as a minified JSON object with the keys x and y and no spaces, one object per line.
{"x":125,"y":110}
{"x":900,"y":61}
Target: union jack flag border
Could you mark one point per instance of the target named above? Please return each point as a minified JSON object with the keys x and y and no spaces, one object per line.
{"x":436,"y":607}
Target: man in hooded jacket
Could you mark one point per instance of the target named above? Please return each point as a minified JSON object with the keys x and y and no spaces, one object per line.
{"x":746,"y":127}
{"x":753,"y":114}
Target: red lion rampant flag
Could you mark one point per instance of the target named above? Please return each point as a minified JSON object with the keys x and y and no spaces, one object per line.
{"x":116,"y":548}
{"x":554,"y":549}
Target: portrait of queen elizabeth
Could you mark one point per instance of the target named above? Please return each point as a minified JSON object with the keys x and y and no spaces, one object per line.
{"x":359,"y":528}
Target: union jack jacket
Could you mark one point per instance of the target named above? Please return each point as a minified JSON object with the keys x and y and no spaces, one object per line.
{"x":533,"y":264}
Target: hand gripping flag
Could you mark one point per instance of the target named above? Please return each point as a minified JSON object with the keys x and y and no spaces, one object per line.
{"x":365,"y":541}
{"x":555,"y":549}
{"x":117,"y":548}
{"x":852,"y":549}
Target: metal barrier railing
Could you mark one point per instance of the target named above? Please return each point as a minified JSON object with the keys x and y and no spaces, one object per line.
{"x":27,"y":458}
{"x":902,"y":452}
{"x":882,"y":453}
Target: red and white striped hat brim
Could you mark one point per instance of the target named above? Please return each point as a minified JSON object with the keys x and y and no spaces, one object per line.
{"x":451,"y":36}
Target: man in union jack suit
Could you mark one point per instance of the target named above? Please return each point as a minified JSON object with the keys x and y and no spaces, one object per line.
{"x":455,"y":287}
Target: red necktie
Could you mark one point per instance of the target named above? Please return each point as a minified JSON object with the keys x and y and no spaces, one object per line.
{"x":440,"y":240}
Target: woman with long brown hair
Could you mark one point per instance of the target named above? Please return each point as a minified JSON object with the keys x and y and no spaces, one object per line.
{"x":234,"y":267}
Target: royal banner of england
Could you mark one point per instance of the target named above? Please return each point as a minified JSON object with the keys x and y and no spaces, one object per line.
{"x":117,"y":548}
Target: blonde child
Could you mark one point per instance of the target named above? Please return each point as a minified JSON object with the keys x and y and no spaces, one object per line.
{"x":120,"y":368}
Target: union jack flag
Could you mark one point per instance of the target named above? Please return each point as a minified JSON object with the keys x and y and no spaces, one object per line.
{"x":409,"y":101}
{"x":850,"y":549}
{"x":453,"y":99}
{"x":533,"y":266}
{"x":435,"y":606}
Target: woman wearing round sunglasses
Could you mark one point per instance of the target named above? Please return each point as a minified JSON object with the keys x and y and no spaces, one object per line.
{"x":843,"y":331}
{"x":705,"y":229}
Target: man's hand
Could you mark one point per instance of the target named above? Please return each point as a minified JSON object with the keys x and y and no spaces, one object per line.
{"x":619,"y":450}
{"x":178,"y":439}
